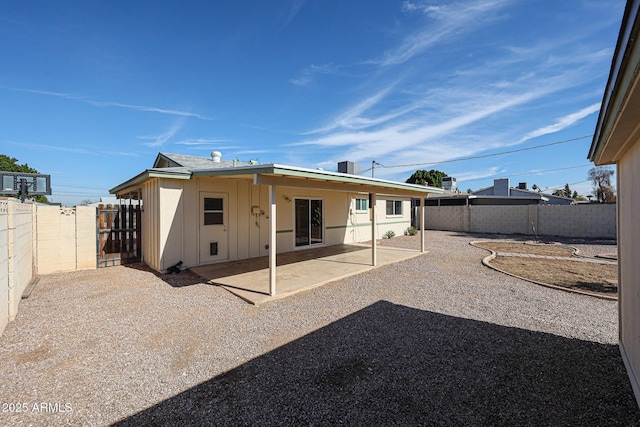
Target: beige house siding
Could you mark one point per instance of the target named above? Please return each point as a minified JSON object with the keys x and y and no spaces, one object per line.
{"x":150,"y":223}
{"x":629,"y":267}
{"x":172,"y":207}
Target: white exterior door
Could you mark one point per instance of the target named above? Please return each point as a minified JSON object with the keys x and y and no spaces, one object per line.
{"x":214,"y":226}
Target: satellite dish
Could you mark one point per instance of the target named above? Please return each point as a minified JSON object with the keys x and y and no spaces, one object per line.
{"x":25,"y":184}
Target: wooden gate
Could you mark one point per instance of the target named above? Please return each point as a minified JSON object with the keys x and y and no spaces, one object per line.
{"x":119,"y":235}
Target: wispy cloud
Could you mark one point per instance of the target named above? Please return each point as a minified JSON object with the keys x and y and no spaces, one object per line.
{"x":115,"y":104}
{"x":74,"y":150}
{"x":293,"y":10}
{"x":309,"y":74}
{"x":469,"y":176}
{"x":67,"y":149}
{"x":448,"y":21}
{"x":203,"y":141}
{"x":161,"y":139}
{"x":562,"y":123}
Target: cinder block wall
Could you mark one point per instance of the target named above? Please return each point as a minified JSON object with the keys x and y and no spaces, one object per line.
{"x":498,"y":219}
{"x":16,"y":255}
{"x":580,"y":221}
{"x":39,"y":239}
{"x":592,"y":220}
{"x":4,"y":264}
{"x":20,"y":252}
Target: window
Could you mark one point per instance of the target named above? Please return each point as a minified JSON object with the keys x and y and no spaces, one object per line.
{"x":213,"y":211}
{"x":361,"y":204}
{"x":394,"y":207}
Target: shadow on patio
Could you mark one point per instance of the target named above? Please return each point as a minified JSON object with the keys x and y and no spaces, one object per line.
{"x":297,"y":271}
{"x":389,"y":364}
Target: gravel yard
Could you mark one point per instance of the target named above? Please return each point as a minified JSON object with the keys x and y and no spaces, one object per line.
{"x":437,"y":339}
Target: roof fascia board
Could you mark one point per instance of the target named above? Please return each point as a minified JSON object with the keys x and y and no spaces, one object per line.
{"x":147,"y":174}
{"x":354,"y":187}
{"x":290,"y":171}
{"x":621,"y":78}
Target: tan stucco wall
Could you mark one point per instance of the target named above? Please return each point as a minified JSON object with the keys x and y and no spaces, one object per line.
{"x":629,"y":268}
{"x":171,"y":219}
{"x":65,"y":238}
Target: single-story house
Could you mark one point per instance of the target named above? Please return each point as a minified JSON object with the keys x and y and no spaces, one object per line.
{"x":616,"y":141}
{"x":207,"y":210}
{"x":501,"y":188}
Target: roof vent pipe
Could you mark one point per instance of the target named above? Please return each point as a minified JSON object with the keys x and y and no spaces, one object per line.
{"x":216,"y":156}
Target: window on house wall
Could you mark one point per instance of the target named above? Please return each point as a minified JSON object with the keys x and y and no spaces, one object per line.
{"x":361,"y":205}
{"x":213,"y":211}
{"x":394,"y":207}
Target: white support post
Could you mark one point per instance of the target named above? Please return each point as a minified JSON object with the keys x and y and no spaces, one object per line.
{"x":374,"y":249}
{"x":423,"y":212}
{"x":272,"y":240}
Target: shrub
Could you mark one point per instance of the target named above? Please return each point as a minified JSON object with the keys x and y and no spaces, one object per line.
{"x":411,"y":231}
{"x":389,"y":234}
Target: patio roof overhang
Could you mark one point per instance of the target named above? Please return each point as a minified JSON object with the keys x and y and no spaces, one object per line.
{"x":283,"y":175}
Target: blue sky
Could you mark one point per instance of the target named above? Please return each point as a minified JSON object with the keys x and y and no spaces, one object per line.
{"x":91,"y":91}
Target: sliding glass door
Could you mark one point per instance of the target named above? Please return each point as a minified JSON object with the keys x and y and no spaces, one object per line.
{"x":309,"y":222}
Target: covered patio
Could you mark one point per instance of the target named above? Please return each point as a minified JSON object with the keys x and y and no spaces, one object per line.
{"x":299,"y":270}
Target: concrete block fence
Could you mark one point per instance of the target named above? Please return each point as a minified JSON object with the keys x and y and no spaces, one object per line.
{"x":40,"y":239}
{"x":580,"y":221}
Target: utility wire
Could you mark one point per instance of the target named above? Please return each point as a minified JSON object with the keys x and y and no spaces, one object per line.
{"x":484,"y":155}
{"x":528,"y":173}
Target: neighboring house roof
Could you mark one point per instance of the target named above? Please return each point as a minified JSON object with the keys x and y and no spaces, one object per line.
{"x":507,"y":191}
{"x":186,"y":167}
{"x":471,"y":199}
{"x":617,"y":129}
{"x":111,"y":201}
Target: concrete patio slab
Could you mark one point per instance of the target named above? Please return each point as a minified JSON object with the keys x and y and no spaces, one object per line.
{"x":297,"y":271}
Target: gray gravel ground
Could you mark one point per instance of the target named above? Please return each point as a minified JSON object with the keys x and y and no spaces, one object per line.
{"x":435,"y":340}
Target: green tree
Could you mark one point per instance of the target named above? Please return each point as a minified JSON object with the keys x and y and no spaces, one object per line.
{"x":566,"y":192}
{"x":10,"y":164}
{"x":432,"y":178}
{"x":600,"y":178}
{"x":469,"y":191}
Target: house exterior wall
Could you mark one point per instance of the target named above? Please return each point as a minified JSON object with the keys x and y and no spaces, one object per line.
{"x":172,"y":216}
{"x":628,"y":201}
{"x":151,"y":223}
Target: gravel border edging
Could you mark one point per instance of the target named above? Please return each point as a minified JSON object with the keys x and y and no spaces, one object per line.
{"x":486,"y":262}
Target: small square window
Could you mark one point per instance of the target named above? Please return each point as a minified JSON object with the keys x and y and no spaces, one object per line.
{"x":213,"y":211}
{"x":361,"y":204}
{"x":394,"y":207}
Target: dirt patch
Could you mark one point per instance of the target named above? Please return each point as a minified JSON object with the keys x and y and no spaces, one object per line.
{"x":597,"y":278}
{"x":524,"y":248}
